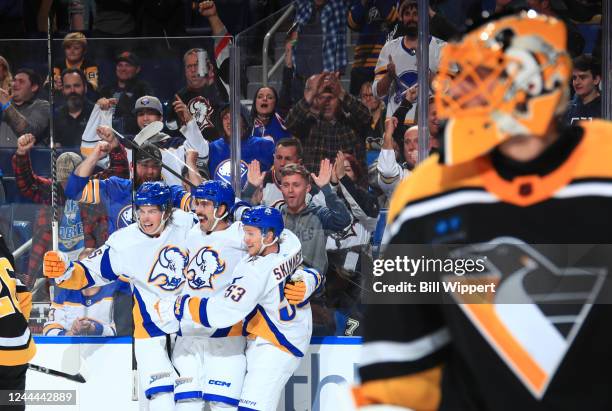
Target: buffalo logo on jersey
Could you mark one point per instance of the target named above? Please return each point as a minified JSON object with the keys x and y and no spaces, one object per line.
{"x":224,"y":172}
{"x":403,"y":82}
{"x":203,"y":267}
{"x":124,"y":218}
{"x":521,"y":319}
{"x":167,"y":272}
{"x":201,"y":109}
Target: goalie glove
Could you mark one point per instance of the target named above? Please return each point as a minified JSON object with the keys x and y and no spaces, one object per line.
{"x":302,"y":284}
{"x":57,"y":265}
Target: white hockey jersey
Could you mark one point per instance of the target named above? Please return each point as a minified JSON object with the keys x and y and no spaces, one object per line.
{"x":70,"y":305}
{"x":212,"y":259}
{"x":153,"y":266}
{"x":256,"y":294}
{"x":405,"y":61}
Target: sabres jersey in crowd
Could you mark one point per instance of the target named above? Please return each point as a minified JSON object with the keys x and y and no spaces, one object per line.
{"x":256,"y":295}
{"x":212,"y":260}
{"x":541,"y":354}
{"x":405,"y":61}
{"x":153,"y":265}
{"x":71,"y":305}
{"x":371,"y":20}
{"x":116,"y":195}
{"x":273,"y":131}
{"x":16,"y":343}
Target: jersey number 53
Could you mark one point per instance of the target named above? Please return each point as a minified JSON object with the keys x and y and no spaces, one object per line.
{"x":234,"y":292}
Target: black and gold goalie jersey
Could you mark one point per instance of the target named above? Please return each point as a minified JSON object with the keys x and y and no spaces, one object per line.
{"x":16,"y":343}
{"x":528,"y":356}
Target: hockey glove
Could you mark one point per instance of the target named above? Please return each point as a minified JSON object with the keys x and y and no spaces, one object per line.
{"x":170,"y":310}
{"x":55,"y":264}
{"x":302,"y":284}
{"x":295,"y":292}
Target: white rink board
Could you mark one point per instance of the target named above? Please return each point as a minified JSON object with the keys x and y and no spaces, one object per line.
{"x":106,"y":364}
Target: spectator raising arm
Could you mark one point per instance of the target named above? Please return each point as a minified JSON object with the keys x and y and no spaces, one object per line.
{"x":389,"y":171}
{"x":37,"y":189}
{"x":358,"y":113}
{"x":384,"y":74}
{"x":335,"y":216}
{"x":101,"y":115}
{"x":302,"y":116}
{"x":36,"y":121}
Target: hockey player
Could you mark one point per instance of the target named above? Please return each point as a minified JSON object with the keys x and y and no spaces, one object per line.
{"x":82,"y":312}
{"x":151,"y":256}
{"x":509,"y":171}
{"x":17,"y":346}
{"x":215,"y":248}
{"x":279,"y":326}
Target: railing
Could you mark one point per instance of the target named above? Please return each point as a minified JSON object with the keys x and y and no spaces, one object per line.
{"x":266,"y":44}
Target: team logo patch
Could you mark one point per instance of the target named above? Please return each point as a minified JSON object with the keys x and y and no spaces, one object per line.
{"x":201,"y":109}
{"x":517,"y":321}
{"x":167,"y":272}
{"x":224,"y":172}
{"x":203,"y":267}
{"x":124,"y":217}
{"x":404,"y":81}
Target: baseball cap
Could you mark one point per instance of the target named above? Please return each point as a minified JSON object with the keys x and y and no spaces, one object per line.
{"x":148,"y":102}
{"x":65,"y":165}
{"x":128,"y":57}
{"x":147,"y":152}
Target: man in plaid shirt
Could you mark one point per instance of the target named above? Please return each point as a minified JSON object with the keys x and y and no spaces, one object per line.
{"x":38,"y":189}
{"x":328,"y":120}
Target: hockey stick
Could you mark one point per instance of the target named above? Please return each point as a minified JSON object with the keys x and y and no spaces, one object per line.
{"x":54,"y":206}
{"x":135,"y":147}
{"x":72,"y":377}
{"x":54,"y":194}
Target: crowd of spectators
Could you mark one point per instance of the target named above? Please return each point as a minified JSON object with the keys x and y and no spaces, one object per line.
{"x":327,"y":152}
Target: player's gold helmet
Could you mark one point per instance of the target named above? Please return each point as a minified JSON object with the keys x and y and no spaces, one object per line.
{"x":509,"y":77}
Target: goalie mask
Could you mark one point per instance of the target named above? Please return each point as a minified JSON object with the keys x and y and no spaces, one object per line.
{"x":507,"y":78}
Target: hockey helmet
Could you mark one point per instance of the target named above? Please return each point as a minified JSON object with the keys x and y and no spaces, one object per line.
{"x":507,"y":78}
{"x":264,"y":218}
{"x":218,"y":192}
{"x":153,"y":193}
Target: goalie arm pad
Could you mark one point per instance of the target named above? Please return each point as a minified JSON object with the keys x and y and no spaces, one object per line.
{"x":419,"y":392}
